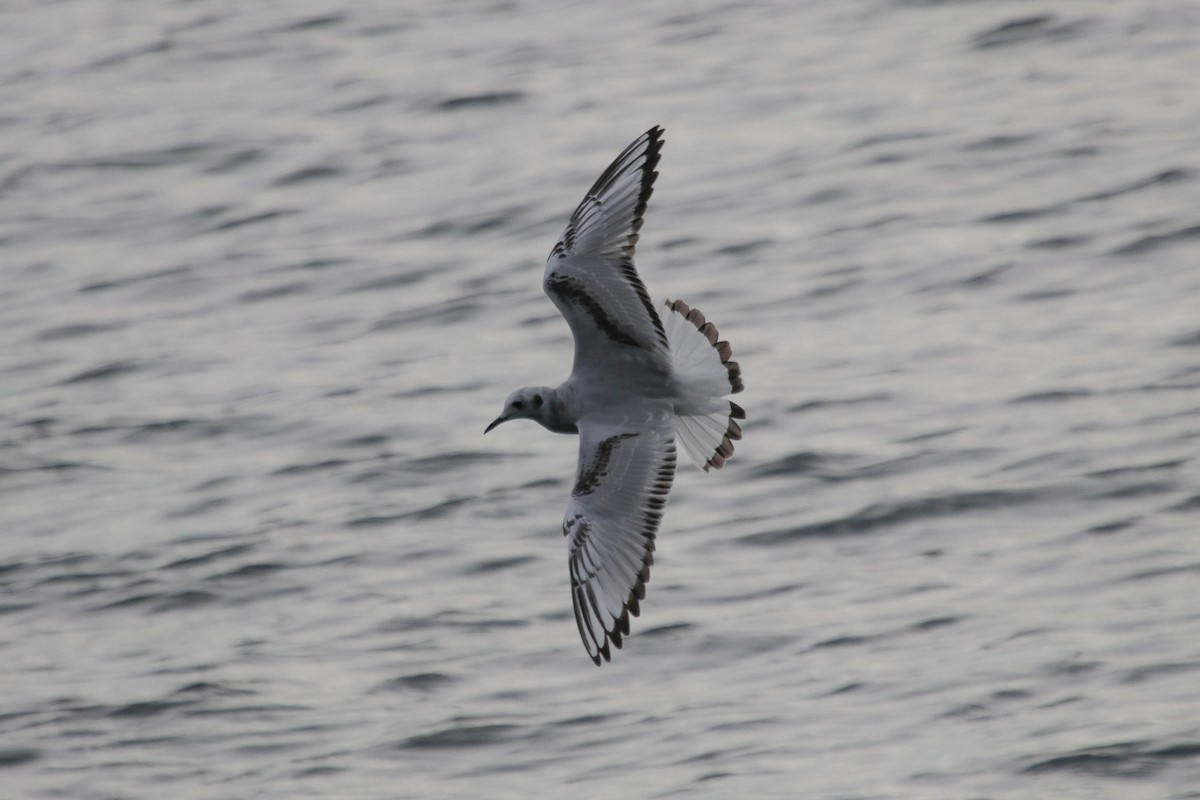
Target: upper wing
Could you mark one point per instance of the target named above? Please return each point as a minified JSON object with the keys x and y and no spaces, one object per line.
{"x":590,"y":274}
{"x":625,"y":473}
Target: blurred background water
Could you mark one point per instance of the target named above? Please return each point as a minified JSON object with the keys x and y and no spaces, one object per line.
{"x":268,"y":269}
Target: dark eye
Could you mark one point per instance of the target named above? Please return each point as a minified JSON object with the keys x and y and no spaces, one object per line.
{"x":518,"y":404}
{"x":537,"y":401}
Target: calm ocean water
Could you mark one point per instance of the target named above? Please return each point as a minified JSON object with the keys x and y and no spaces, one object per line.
{"x":270,"y":268}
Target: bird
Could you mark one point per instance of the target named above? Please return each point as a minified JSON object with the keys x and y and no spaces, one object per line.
{"x":640,"y":380}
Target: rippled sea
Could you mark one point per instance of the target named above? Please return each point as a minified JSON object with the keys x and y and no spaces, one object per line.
{"x":268,"y":269}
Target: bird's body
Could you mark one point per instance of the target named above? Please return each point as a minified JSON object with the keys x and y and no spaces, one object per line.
{"x":638,"y":382}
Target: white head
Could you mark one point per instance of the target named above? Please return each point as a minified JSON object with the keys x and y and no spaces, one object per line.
{"x":532,"y":402}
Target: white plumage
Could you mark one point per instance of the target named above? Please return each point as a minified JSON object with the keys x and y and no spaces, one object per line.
{"x":638,"y":383}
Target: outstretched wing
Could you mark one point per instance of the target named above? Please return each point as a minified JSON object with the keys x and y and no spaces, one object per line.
{"x":625,"y":473}
{"x":590,"y":274}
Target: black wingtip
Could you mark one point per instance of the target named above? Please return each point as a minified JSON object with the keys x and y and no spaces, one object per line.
{"x":656,"y":136}
{"x":654,"y":146}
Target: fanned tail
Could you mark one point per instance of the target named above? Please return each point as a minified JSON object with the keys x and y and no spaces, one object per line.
{"x":706,"y":425}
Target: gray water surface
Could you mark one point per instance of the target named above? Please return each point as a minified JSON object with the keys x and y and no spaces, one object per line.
{"x":270,"y":268}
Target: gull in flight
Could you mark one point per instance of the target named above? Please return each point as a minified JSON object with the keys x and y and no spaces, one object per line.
{"x":639,"y":381}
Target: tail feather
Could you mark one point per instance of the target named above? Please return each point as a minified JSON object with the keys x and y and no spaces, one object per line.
{"x":706,"y":425}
